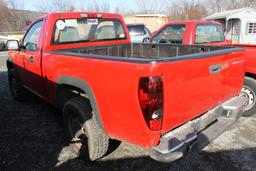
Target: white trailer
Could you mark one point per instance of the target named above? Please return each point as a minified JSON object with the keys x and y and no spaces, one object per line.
{"x":239,"y":24}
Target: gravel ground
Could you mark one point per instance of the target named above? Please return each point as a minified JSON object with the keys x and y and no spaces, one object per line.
{"x":32,"y":138}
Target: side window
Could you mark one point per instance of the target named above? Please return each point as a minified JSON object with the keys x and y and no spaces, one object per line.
{"x":207,"y":33}
{"x":171,"y":34}
{"x":31,"y":38}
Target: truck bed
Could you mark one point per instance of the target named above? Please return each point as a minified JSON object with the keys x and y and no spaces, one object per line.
{"x":150,"y":52}
{"x":195,"y":78}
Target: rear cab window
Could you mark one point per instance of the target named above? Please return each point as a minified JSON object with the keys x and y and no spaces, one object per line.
{"x":87,"y":30}
{"x":171,"y":34}
{"x":208,"y":33}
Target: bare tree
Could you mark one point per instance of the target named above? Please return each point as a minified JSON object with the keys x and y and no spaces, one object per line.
{"x":15,"y":4}
{"x":93,"y":6}
{"x":187,"y":10}
{"x":4,"y":10}
{"x":222,"y":5}
{"x":11,"y":19}
{"x":151,"y":6}
{"x":15,"y":18}
{"x":56,"y":6}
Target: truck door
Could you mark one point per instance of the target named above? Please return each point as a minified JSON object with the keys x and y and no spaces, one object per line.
{"x":32,"y":59}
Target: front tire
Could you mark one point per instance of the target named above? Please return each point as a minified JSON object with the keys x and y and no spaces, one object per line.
{"x":84,"y":133}
{"x":18,"y":92}
{"x":249,"y":91}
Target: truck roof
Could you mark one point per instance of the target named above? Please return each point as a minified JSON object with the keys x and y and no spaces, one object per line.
{"x":80,"y":15}
{"x":192,"y":22}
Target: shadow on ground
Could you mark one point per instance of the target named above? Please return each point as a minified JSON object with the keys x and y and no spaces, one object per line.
{"x":32,"y":138}
{"x":204,"y":161}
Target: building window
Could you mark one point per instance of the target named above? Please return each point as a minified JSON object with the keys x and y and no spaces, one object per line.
{"x":235,"y":28}
{"x":251,"y":28}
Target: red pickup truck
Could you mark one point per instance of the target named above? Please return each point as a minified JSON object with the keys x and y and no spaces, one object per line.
{"x":211,"y":33}
{"x":165,"y":98}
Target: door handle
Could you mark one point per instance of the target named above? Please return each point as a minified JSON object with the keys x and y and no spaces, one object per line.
{"x":31,"y":59}
{"x":214,"y":69}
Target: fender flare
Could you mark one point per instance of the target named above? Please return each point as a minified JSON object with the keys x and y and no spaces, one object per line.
{"x":83,"y":85}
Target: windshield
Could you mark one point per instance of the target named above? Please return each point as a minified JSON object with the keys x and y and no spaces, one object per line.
{"x":87,"y":30}
{"x":209,"y":33}
{"x":171,"y":34}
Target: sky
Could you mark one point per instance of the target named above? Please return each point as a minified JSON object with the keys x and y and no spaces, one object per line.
{"x":33,"y":4}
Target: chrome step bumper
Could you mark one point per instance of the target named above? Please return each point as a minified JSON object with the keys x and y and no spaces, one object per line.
{"x":198,"y":133}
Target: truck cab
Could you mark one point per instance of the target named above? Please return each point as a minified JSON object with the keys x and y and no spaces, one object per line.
{"x":189,"y":32}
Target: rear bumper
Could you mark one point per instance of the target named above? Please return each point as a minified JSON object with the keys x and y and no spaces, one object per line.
{"x":198,"y":133}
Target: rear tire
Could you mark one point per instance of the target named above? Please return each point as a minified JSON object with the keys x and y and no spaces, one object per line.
{"x":249,"y":91}
{"x":84,"y":133}
{"x":18,"y":92}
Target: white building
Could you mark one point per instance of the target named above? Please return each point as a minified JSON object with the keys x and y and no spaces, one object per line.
{"x":239,"y":24}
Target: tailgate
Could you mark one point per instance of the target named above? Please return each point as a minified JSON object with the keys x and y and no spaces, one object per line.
{"x":194,"y":86}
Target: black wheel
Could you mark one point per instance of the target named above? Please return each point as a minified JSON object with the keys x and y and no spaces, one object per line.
{"x":84,"y":133}
{"x":249,"y":91}
{"x":18,"y":92}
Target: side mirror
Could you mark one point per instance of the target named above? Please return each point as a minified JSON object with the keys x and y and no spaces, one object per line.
{"x":12,"y":45}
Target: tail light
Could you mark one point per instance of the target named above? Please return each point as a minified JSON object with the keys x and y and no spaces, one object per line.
{"x":151,"y":101}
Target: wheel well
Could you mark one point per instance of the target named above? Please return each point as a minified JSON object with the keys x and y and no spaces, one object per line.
{"x":65,"y":92}
{"x":247,"y":74}
{"x":69,"y":87}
